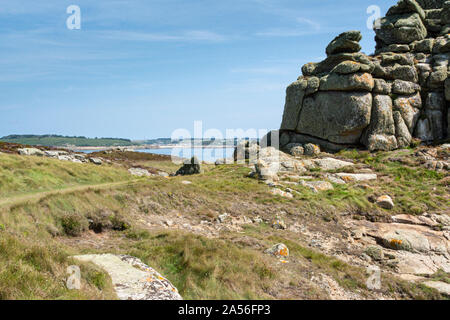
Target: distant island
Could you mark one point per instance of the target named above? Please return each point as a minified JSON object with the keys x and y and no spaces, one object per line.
{"x":51,"y":140}
{"x":81,"y":142}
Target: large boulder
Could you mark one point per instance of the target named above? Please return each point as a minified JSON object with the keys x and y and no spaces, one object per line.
{"x":331,"y":104}
{"x":131,"y":278}
{"x":431,"y":4}
{"x":190,"y":167}
{"x":327,"y":65}
{"x":380,"y":135}
{"x":339,"y":117}
{"x":347,"y":82}
{"x":409,"y":108}
{"x":402,"y":132}
{"x":345,"y":42}
{"x":31,"y":152}
{"x":401,"y":29}
{"x":294,"y":99}
{"x":406,"y":6}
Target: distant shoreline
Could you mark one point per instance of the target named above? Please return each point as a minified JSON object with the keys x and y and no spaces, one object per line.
{"x":148,"y":147}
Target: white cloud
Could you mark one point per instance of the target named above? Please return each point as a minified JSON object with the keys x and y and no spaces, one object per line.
{"x":263,"y":70}
{"x":185,"y":36}
{"x":314,"y":25}
{"x":301,"y":27}
{"x":285,"y":32}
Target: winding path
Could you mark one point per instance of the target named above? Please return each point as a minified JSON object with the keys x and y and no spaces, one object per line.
{"x":36,"y":197}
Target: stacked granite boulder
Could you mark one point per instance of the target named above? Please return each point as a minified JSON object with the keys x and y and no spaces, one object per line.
{"x":380,"y":101}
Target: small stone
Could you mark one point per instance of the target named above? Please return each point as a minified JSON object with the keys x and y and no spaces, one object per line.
{"x":317,"y":186}
{"x":312,"y":149}
{"x":295,"y":149}
{"x":163,"y":174}
{"x":96,"y":161}
{"x":281,"y":193}
{"x":168,"y":223}
{"x":139,"y":172}
{"x":357,"y":234}
{"x":385,"y":202}
{"x":279,"y":224}
{"x":257,"y":220}
{"x":223,"y":217}
{"x":350,"y":177}
{"x":278,"y":250}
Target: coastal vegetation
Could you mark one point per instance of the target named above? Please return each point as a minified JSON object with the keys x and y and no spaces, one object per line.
{"x":51,"y":210}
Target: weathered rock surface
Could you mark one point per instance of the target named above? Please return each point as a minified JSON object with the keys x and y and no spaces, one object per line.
{"x":317,"y":186}
{"x":96,"y":161}
{"x":351,"y":99}
{"x":345,"y":42}
{"x":278,"y":250}
{"x":385,"y":202}
{"x":339,"y":117}
{"x":132,"y":279}
{"x":31,"y":152}
{"x":139,"y":172}
{"x":414,"y":247}
{"x":59,"y":155}
{"x":440,"y":286}
{"x":272,"y":163}
{"x":190,"y":167}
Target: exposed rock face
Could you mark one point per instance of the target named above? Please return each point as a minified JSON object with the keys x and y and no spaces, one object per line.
{"x":380,"y":101}
{"x":338,"y":117}
{"x":190,"y":167}
{"x":132,"y":279}
{"x":139,"y":172}
{"x":31,"y":152}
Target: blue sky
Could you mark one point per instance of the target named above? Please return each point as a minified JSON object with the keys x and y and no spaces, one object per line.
{"x":140,"y":69}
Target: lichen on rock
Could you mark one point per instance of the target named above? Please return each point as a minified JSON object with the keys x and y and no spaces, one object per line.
{"x":381,"y":101}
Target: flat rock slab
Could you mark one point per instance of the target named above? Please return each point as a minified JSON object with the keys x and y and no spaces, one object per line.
{"x":348,"y":177}
{"x":317,"y":186}
{"x":411,"y":219}
{"x":442,"y":287}
{"x":420,"y":264}
{"x":418,"y":249}
{"x":132,"y":279}
{"x":331,"y":163}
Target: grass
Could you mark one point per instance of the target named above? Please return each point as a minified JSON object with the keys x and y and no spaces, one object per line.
{"x":31,"y":270}
{"x":21,"y":175}
{"x":204,"y":268}
{"x":441,"y":275}
{"x":414,"y":189}
{"x":37,"y":238}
